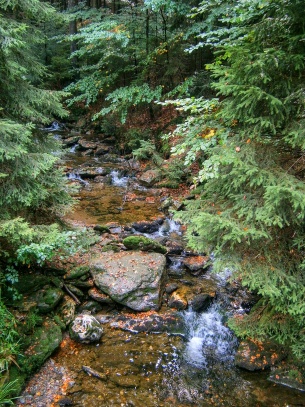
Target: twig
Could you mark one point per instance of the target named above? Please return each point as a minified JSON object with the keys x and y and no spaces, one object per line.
{"x":72,"y":295}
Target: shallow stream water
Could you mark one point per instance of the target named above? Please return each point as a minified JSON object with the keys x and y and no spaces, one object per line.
{"x":194,"y":367}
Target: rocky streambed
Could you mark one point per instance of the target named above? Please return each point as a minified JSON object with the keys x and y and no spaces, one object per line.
{"x":139,"y":320}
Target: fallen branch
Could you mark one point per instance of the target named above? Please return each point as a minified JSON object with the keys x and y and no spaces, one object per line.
{"x":72,"y":295}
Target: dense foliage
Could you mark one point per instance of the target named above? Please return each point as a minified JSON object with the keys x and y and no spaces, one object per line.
{"x":250,"y":142}
{"x":31,"y":183}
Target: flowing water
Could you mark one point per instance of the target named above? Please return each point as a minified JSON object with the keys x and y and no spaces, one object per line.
{"x":191,"y":367}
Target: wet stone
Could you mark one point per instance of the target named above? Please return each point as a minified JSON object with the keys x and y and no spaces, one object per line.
{"x":253,"y":355}
{"x":147,"y":226}
{"x":201,"y":302}
{"x":196,"y":263}
{"x":85,"y":329}
{"x":177,"y":301}
{"x":133,"y":279}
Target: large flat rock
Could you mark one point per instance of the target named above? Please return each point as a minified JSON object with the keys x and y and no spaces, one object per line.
{"x":134,"y":279}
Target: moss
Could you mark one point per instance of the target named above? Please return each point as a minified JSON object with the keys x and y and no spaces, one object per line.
{"x":101,"y":229}
{"x":77,"y":272}
{"x":43,"y":343}
{"x":143,"y":243}
{"x":111,"y":248}
{"x":48,"y":299}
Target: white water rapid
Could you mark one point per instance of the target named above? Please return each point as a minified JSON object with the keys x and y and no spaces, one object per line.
{"x":209,"y":340}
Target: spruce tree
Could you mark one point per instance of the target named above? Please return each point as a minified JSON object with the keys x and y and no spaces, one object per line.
{"x":250,"y":143}
{"x":32,"y":186}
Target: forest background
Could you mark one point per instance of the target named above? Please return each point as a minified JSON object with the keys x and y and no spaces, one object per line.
{"x":216,"y":87}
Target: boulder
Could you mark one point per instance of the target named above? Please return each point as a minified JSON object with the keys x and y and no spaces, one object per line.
{"x":85,"y":329}
{"x":96,"y":295}
{"x":170,"y":288}
{"x":149,"y":178}
{"x":43,"y":342}
{"x":48,"y":298}
{"x":147,"y":226}
{"x":102,"y":149}
{"x":134,"y":279}
{"x":70,"y":141}
{"x":143,"y":243}
{"x":77,"y":272}
{"x":253,"y":355}
{"x":87,"y":145}
{"x":175,"y":245}
{"x":92,"y":172}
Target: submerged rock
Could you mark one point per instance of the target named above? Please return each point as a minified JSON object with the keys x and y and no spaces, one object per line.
{"x":85,"y":329}
{"x":292,"y":377}
{"x":134,"y":279}
{"x":170,"y":322}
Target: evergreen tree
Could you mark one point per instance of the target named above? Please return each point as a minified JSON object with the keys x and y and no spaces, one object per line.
{"x":250,"y":143}
{"x":31,"y":183}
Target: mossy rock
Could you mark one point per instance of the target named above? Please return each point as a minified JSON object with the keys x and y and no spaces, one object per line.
{"x":101,"y":229}
{"x":77,"y":272}
{"x":48,"y":298}
{"x":143,"y":243}
{"x":42,"y":344}
{"x":110,"y":248}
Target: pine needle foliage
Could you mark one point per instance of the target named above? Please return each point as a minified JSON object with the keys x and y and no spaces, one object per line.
{"x":31,"y":183}
{"x":251,"y":193}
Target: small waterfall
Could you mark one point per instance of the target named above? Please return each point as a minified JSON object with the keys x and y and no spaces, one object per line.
{"x":176,"y":263}
{"x":55,"y":126}
{"x":117,"y":180}
{"x":73,"y":148}
{"x":209,"y":340}
{"x":73,"y":176}
{"x":168,"y":227}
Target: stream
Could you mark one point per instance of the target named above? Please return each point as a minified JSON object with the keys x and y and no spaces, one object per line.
{"x":192,"y":366}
